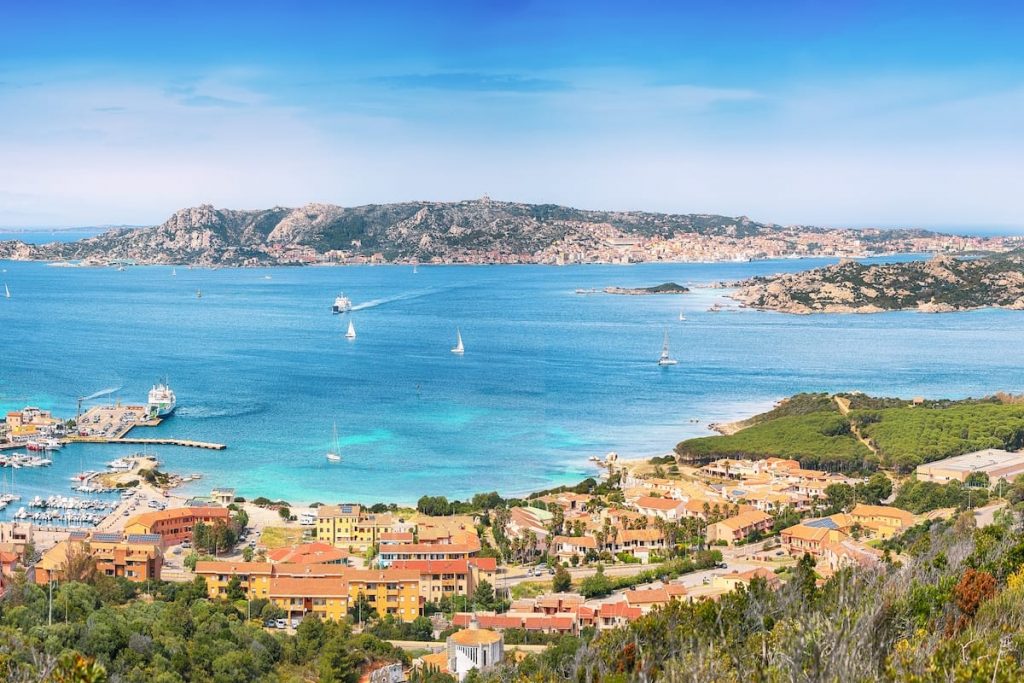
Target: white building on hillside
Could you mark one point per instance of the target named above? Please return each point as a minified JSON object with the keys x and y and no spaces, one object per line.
{"x":474,"y":648}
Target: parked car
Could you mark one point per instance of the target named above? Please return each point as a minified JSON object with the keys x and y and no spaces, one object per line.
{"x":270,"y":623}
{"x":281,"y":623}
{"x":295,"y":622}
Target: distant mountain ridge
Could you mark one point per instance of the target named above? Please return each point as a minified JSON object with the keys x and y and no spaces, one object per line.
{"x":465,"y":231}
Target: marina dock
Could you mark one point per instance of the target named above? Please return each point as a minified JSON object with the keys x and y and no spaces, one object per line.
{"x":188,"y":443}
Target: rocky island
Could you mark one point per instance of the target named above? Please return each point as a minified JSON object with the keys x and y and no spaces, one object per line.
{"x":940,"y":284}
{"x":664,"y":288}
{"x":472,"y":231}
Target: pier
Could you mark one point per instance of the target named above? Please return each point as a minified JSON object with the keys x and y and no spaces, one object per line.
{"x":187,"y":443}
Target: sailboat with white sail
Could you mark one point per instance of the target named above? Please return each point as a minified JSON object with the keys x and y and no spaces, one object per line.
{"x":681,"y":316}
{"x":7,"y":292}
{"x":458,"y":349}
{"x":351,"y":334}
{"x":335,"y":455}
{"x":665,"y":358}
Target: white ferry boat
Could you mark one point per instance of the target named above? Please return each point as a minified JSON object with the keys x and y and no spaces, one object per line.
{"x":161,"y":400}
{"x":342,"y":304}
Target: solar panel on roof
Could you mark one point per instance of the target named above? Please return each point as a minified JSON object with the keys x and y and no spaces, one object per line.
{"x":78,"y":536}
{"x":144,"y":538}
{"x":825,"y":523}
{"x":106,"y":537}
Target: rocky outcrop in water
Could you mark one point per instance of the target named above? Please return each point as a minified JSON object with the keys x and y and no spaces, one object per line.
{"x":938,"y":285}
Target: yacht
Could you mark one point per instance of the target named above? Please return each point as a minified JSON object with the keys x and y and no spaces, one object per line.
{"x":342,"y":304}
{"x":335,"y":455}
{"x":665,"y":358}
{"x":458,"y":349}
{"x":161,"y":400}
{"x":351,"y":334}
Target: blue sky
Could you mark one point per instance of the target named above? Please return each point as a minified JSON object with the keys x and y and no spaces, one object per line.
{"x":852,"y":113}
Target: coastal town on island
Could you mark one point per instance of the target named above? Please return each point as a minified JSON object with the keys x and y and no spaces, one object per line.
{"x":462,"y":585}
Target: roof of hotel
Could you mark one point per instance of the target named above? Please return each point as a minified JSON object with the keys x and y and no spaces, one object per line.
{"x":578,"y":541}
{"x":658,"y":503}
{"x":655,"y":596}
{"x":217,"y":567}
{"x":475,"y":636}
{"x":433,"y":566}
{"x":290,"y":586}
{"x":308,"y":553}
{"x":861,"y":510}
{"x":450,"y":548}
{"x":639,"y":535}
{"x":487,"y":564}
{"x":151,"y":518}
{"x":806,"y":532}
{"x":345,"y":509}
{"x":745,"y":519}
{"x":367,"y":575}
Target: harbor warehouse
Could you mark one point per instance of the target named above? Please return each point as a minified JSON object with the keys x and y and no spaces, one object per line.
{"x":997,"y":464}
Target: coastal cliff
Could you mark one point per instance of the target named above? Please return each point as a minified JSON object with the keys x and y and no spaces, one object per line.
{"x":938,"y":285}
{"x":473,"y":231}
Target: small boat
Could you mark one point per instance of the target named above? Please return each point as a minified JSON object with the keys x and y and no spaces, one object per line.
{"x":7,"y":292}
{"x":174,"y":272}
{"x":335,"y":455}
{"x":681,"y":316}
{"x":458,"y":349}
{"x":414,"y":271}
{"x":351,"y":334}
{"x":665,"y":358}
{"x":199,"y":294}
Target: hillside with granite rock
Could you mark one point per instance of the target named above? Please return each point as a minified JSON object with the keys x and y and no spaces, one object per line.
{"x":941,"y":284}
{"x":474,"y":231}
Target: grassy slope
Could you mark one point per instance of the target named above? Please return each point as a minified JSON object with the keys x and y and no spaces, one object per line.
{"x":808,"y":428}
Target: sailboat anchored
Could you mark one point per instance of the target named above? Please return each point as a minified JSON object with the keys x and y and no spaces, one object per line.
{"x":459,"y":349}
{"x":335,"y":455}
{"x":681,"y":316}
{"x":351,"y":334}
{"x":665,"y":358}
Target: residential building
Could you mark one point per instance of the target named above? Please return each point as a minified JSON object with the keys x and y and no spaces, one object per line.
{"x":137,"y":558}
{"x":669,"y":509}
{"x":309,"y":553}
{"x":175,"y":525}
{"x":739,"y":527}
{"x":881,"y":521}
{"x":388,"y":554}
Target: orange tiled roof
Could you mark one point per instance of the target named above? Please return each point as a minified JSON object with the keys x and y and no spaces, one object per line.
{"x":653,"y":503}
{"x":151,"y":518}
{"x":295,"y":587}
{"x":308,"y":553}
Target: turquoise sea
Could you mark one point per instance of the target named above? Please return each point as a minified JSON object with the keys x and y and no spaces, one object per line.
{"x":549,"y":377}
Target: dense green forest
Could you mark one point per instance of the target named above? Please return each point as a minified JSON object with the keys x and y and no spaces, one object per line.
{"x":907,"y":437}
{"x":811,"y":429}
{"x":820,"y":439}
{"x":106,"y":630}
